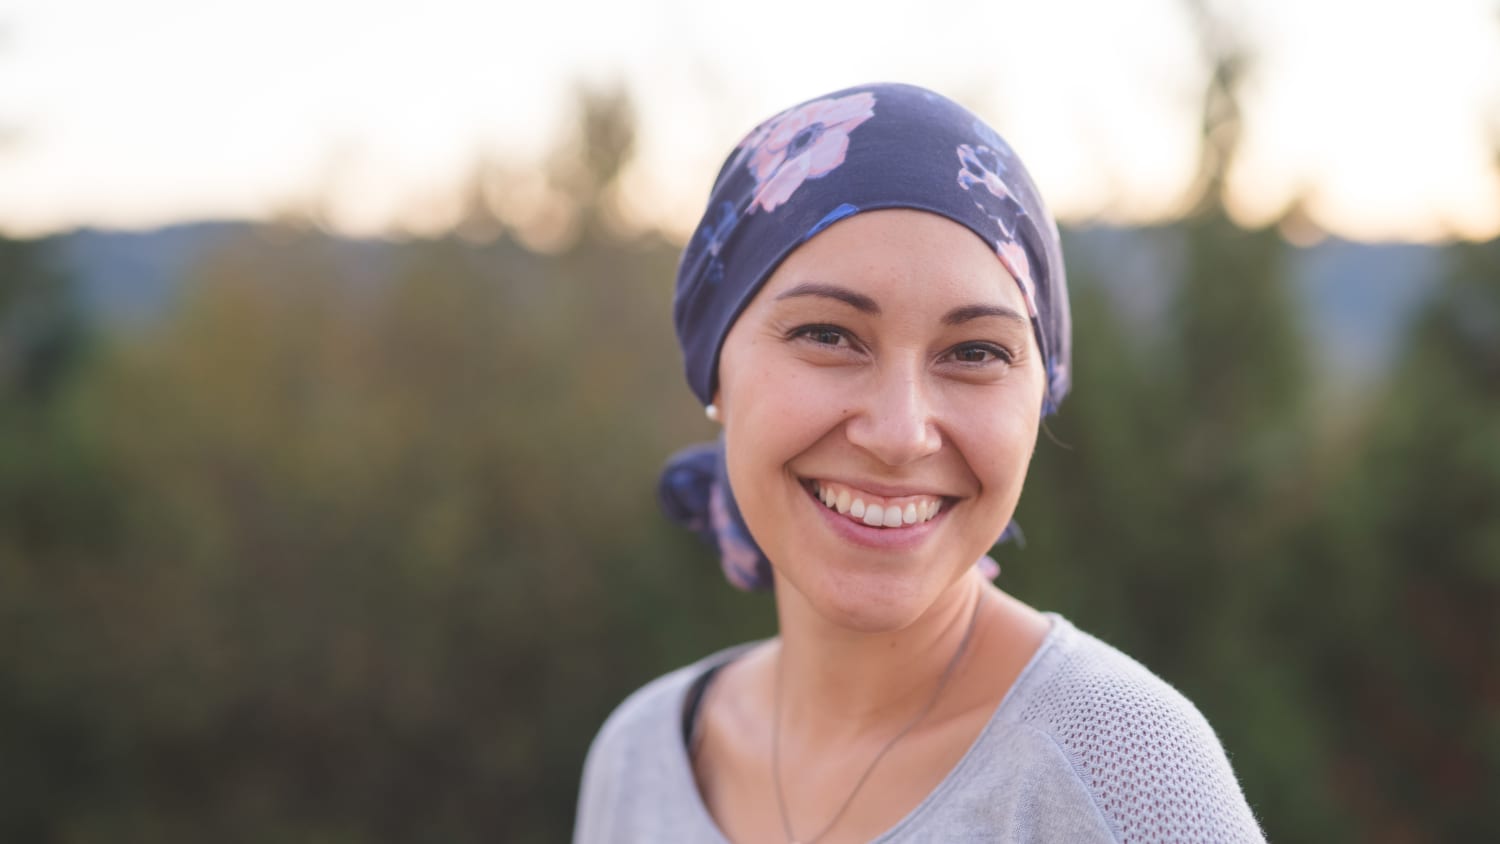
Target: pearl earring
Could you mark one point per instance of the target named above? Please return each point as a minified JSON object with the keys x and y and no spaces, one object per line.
{"x":712,"y":412}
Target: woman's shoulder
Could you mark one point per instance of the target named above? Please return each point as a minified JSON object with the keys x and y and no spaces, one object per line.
{"x":637,"y":784}
{"x":1151,"y":760}
{"x":1075,"y":675}
{"x":653,"y":712}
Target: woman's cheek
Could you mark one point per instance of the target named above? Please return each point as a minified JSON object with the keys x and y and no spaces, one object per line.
{"x":794,"y":392}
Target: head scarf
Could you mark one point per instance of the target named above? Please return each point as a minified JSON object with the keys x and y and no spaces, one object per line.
{"x":859,"y":149}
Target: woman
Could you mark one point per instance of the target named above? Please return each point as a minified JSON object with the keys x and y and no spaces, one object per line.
{"x":874,"y":309}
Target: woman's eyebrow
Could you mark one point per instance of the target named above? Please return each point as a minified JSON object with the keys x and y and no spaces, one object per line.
{"x":858,"y":301}
{"x":964,"y":313}
{"x":865,"y":304}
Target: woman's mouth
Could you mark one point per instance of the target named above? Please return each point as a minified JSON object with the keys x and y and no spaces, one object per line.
{"x":872,"y":510}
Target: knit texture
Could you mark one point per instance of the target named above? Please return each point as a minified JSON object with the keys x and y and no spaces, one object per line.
{"x":1150,"y":760}
{"x":1088,"y":746}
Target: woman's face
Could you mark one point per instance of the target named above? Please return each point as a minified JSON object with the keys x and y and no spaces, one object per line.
{"x":888,"y":361}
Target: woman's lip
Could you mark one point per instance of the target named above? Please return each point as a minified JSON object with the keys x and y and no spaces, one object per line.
{"x":901,"y":538}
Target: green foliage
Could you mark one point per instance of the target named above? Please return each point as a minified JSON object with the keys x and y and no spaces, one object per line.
{"x":1403,"y":663}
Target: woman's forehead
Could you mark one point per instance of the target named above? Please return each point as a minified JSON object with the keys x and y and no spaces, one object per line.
{"x":902,"y":255}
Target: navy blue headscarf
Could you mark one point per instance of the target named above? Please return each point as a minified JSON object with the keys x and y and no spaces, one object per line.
{"x":859,"y":149}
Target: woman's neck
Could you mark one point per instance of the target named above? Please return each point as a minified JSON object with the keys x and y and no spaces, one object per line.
{"x":837,"y":683}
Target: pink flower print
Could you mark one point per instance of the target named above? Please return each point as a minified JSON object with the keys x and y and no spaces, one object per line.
{"x":981,"y":166}
{"x":1058,"y":378}
{"x":758,"y":135}
{"x":988,"y":567}
{"x":804,"y":143}
{"x":1013,"y":257}
{"x":739,"y":559}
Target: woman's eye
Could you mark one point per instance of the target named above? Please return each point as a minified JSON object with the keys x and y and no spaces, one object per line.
{"x":981,"y":353}
{"x":823,"y":335}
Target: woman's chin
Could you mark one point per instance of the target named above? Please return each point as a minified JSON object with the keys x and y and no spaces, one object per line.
{"x":870,"y":603}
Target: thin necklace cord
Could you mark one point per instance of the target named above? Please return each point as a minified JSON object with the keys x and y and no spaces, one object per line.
{"x":786,"y":821}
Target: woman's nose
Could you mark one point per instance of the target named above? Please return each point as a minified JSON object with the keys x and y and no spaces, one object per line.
{"x":895,"y":421}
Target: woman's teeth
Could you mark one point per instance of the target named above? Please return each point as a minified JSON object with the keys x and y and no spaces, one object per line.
{"x":875,"y":511}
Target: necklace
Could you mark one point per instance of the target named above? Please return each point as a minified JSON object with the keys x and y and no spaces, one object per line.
{"x":786,"y":821}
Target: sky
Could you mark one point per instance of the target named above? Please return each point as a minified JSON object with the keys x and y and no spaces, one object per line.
{"x":1383,"y":117}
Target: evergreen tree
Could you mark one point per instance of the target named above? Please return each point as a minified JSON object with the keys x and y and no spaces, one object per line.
{"x":1409,"y":632}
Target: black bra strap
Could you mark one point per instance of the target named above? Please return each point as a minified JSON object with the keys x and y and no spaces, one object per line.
{"x":692,"y":704}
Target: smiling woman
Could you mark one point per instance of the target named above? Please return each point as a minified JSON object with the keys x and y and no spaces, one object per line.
{"x":874,"y":308}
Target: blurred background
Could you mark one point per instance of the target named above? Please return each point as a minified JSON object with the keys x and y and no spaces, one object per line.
{"x":336,"y":368}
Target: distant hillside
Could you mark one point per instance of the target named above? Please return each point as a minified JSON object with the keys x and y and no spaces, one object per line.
{"x":1358,"y":299}
{"x":129,"y":276}
{"x":135,"y":276}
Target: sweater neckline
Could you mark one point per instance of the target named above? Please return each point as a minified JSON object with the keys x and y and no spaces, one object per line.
{"x":682,"y":765}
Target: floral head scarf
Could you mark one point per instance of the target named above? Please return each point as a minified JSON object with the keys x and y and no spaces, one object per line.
{"x":859,"y":149}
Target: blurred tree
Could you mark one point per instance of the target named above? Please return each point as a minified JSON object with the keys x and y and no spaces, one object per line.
{"x":1240,"y":465}
{"x":586,"y":166}
{"x":1396,"y":617}
{"x":1186,"y":457}
{"x":1402,"y":626}
{"x":56,"y":510}
{"x":603,"y":145}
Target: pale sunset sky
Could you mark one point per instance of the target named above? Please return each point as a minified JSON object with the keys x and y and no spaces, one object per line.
{"x":1384,"y":116}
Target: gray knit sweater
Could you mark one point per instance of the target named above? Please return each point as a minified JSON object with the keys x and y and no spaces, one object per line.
{"x":1088,"y":745}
